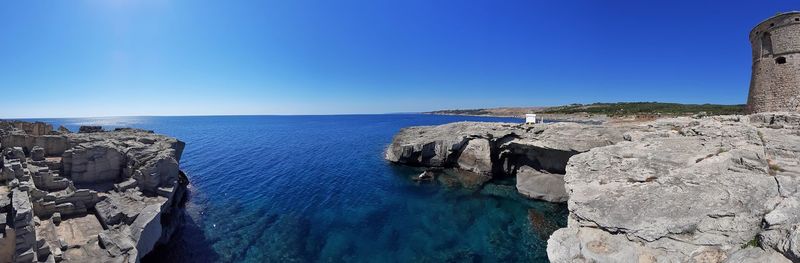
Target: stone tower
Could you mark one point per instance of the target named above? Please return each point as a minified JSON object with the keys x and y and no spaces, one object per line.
{"x":775,"y":82}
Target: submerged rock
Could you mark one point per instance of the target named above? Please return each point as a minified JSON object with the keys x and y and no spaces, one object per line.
{"x":427,"y":175}
{"x":90,"y":196}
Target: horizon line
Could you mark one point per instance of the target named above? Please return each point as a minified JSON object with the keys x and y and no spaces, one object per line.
{"x":208,"y":115}
{"x":344,"y":114}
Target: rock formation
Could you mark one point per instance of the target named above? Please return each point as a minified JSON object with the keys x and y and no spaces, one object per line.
{"x":703,"y":189}
{"x":718,"y":189}
{"x":536,"y":155}
{"x":92,"y":196}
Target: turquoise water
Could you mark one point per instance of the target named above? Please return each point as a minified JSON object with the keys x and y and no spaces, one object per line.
{"x":316,"y":189}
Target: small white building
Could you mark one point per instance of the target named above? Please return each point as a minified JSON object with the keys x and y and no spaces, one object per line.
{"x":530,"y":118}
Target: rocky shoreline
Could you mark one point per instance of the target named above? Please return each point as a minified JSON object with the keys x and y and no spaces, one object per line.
{"x":536,"y":155}
{"x":91,"y":196}
{"x":704,"y":189}
{"x":552,"y":117}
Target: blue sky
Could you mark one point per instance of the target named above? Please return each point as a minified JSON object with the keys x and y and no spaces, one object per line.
{"x":161,"y":57}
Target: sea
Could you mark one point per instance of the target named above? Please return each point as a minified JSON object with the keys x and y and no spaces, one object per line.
{"x":317,"y":189}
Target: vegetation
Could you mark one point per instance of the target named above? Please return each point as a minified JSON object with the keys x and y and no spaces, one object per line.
{"x":619,"y":109}
{"x":751,"y":243}
{"x":464,"y":112}
{"x":651,"y":108}
{"x":773,"y":168}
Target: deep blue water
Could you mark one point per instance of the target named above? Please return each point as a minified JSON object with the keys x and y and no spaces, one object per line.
{"x":316,"y":189}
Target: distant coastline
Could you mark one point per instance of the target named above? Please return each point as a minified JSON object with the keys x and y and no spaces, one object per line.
{"x":603,"y":112}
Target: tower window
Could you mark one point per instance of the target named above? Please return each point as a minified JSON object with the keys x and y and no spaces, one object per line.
{"x":780,"y":60}
{"x":766,"y":44}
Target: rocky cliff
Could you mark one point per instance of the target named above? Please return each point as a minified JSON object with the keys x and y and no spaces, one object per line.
{"x":719,"y":189}
{"x":712,"y":189}
{"x":93,"y":196}
{"x":536,"y":155}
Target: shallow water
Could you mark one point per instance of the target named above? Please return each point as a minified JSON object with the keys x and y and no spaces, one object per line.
{"x":316,"y":188}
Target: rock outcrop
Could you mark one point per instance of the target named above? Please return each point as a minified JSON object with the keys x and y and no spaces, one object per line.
{"x":536,"y":154}
{"x":703,"y":189}
{"x":93,"y":196}
{"x":716,"y":189}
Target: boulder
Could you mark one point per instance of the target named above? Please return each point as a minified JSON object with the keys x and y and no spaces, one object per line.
{"x":56,"y":218}
{"x":425,"y":176}
{"x":115,"y":243}
{"x":90,"y":129}
{"x":15,"y":153}
{"x":146,"y":229}
{"x":161,"y":171}
{"x":468,"y":179}
{"x":123,"y":186}
{"x":7,"y":173}
{"x":476,"y":157}
{"x":63,"y":130}
{"x":93,"y":163}
{"x":540,"y":185}
{"x":37,"y":153}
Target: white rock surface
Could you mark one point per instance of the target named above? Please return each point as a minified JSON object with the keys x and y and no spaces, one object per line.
{"x":476,"y":157}
{"x":536,"y":154}
{"x":541,"y":185}
{"x":717,"y":189}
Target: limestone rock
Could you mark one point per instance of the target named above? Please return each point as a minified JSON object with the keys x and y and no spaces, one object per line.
{"x":25,"y":233}
{"x":56,"y":218}
{"x":541,"y":185}
{"x":33,"y":128}
{"x":757,"y":255}
{"x":146,"y":229}
{"x":686,"y":190}
{"x":425,"y":176}
{"x":124,"y":186}
{"x":128,"y":178}
{"x":95,"y":162}
{"x":63,"y":130}
{"x":14,"y":153}
{"x":162,"y":171}
{"x":90,"y":129}
{"x":476,"y":157}
{"x":37,"y":153}
{"x":117,"y":244}
{"x":119,"y":207}
{"x":482,"y":151}
{"x":53,"y":145}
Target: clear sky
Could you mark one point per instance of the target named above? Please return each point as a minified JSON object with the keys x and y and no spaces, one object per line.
{"x":125,"y":57}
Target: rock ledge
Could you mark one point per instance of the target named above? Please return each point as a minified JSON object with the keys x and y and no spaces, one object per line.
{"x":716,"y":189}
{"x":93,"y":196}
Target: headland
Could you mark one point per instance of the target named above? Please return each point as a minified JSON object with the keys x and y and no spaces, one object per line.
{"x":90,"y":196}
